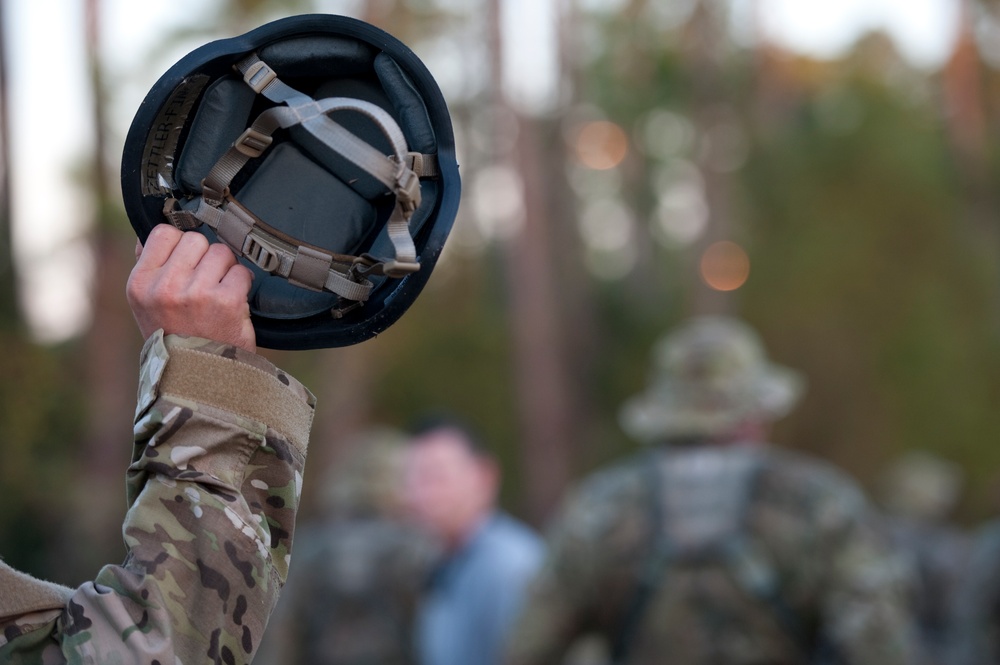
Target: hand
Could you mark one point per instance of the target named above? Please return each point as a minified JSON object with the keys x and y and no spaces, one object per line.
{"x":186,"y":285}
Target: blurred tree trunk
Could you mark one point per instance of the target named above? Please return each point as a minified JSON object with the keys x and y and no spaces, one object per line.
{"x":544,"y":390}
{"x":704,"y":42}
{"x":343,"y":387}
{"x":543,"y":383}
{"x":9,"y":315}
{"x":111,"y":343}
{"x":965,"y":115}
{"x":775,"y":99}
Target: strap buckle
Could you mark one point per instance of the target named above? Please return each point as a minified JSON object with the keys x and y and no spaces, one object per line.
{"x":399,"y":269}
{"x":340,"y":311}
{"x":264,"y":257}
{"x":252,"y":143}
{"x":366,"y":264}
{"x":258,"y":76}
{"x":408,"y":191}
{"x":424,"y":165}
{"x":182,"y":219}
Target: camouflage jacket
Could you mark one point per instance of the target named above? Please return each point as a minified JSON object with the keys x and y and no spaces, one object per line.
{"x":213,"y":488}
{"x":749,"y":555}
{"x":352,"y":596}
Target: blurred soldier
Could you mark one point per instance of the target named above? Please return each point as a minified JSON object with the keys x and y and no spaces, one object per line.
{"x":452,"y":485}
{"x":352,"y":592}
{"x":976,"y":609}
{"x":712,"y":547}
{"x":918,"y":494}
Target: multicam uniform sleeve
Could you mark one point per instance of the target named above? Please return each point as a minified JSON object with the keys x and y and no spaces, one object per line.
{"x":213,"y":489}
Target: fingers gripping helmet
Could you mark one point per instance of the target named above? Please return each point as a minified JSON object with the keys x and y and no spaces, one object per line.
{"x":320,"y":150}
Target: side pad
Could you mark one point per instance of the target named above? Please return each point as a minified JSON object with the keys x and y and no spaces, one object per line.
{"x":222,"y":116}
{"x":410,"y":112}
{"x":318,"y":56}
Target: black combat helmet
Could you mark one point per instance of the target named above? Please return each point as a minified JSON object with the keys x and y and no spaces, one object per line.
{"x":318,"y":148}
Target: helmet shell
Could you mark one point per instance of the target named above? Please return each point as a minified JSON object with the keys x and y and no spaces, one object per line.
{"x":200,"y":105}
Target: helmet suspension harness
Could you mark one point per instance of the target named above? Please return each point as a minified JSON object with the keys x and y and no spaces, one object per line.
{"x":277,"y":253}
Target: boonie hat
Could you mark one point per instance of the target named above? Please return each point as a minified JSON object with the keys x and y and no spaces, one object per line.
{"x":709,"y":374}
{"x":320,"y":150}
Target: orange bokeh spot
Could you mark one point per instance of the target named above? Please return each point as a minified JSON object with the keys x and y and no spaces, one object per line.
{"x":725,"y":266}
{"x":601,"y":145}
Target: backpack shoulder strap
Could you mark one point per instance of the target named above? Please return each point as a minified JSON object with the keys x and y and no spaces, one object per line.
{"x":699,"y":506}
{"x":651,"y":571}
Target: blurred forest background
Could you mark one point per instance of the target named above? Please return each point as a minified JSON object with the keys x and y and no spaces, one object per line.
{"x":848,"y":208}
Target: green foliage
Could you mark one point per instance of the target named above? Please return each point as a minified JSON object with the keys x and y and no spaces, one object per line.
{"x":869,"y":272}
{"x":41,"y":410}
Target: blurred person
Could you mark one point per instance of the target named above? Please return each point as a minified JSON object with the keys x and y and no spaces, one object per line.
{"x":352,"y":594}
{"x":976,"y":606}
{"x":213,"y":486}
{"x":711,"y":546}
{"x":918,"y":494}
{"x":473,"y":597}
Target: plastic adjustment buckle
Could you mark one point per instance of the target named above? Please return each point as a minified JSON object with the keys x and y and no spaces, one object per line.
{"x":399,"y":269}
{"x":177,"y":216}
{"x":264,"y":257}
{"x":258,"y":76}
{"x":408,"y":191}
{"x":252,"y":143}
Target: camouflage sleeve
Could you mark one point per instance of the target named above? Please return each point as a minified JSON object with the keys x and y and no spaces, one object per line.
{"x":213,"y":489}
{"x":865,"y":608}
{"x":575,"y":588}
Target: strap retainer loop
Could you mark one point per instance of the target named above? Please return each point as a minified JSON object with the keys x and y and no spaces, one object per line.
{"x":258,"y":76}
{"x":408,"y":192}
{"x":264,"y":257}
{"x":252,"y":143}
{"x":399,"y":269}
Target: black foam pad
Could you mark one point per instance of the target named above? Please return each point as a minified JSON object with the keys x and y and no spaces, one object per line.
{"x":356,"y":123}
{"x":318,"y":56}
{"x":221,"y":117}
{"x":410,"y":112}
{"x":300,"y":198}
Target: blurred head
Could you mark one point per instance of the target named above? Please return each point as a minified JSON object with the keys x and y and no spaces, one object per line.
{"x":920,"y":486}
{"x":366,"y":481}
{"x":451,"y":483}
{"x":711,"y":380}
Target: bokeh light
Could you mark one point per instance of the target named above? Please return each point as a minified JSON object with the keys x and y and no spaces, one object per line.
{"x":601,"y":145}
{"x":725,"y":266}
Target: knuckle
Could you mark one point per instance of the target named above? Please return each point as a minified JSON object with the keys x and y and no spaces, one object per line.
{"x":195,"y":241}
{"x":221,"y":252}
{"x":164,"y":231}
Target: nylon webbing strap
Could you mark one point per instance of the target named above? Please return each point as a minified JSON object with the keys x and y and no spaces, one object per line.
{"x":403,"y":182}
{"x":258,"y":137}
{"x":302,"y":264}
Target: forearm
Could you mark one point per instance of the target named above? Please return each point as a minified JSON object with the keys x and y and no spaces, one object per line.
{"x":213,"y":488}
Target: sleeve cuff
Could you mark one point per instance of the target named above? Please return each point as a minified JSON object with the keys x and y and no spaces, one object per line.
{"x":225,"y":377}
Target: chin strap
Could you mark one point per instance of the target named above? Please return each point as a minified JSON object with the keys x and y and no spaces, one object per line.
{"x":306,"y":265}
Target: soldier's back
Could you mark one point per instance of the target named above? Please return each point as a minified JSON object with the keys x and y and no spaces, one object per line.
{"x":733,"y":555}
